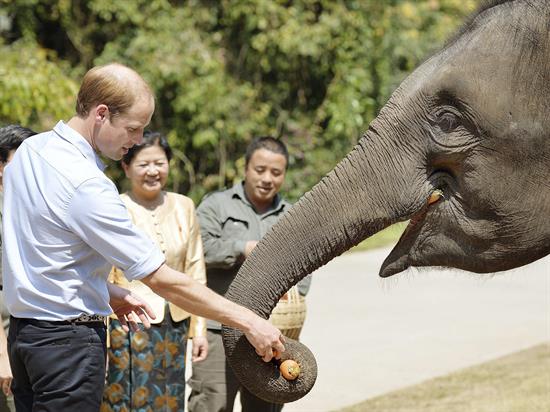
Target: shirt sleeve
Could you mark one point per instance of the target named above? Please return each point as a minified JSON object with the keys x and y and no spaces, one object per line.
{"x":97,"y":214}
{"x":194,"y":256}
{"x":195,"y":267}
{"x":218,"y":252}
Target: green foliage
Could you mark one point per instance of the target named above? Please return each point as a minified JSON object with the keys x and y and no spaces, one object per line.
{"x":312,"y":72}
{"x":34,"y":91}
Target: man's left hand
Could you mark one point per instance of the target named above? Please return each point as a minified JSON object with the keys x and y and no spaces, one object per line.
{"x":128,"y":308}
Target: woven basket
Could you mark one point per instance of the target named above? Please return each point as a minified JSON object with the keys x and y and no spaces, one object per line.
{"x":290,"y":313}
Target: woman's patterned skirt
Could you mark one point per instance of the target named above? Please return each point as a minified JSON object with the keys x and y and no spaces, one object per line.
{"x":146,"y":369}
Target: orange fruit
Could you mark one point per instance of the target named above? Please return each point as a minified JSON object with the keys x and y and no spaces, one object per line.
{"x":290,"y":369}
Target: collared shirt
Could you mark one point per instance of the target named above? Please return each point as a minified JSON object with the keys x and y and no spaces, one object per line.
{"x":228,"y":221}
{"x":64,"y":227}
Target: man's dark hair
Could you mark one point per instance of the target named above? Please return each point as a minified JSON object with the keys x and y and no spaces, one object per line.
{"x":149,"y":139}
{"x":11,"y":137}
{"x":268,"y":143}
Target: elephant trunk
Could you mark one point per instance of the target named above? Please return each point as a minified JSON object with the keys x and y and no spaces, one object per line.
{"x":366,"y":192}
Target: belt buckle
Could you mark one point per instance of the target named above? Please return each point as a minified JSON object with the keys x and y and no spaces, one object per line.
{"x":86,"y":318}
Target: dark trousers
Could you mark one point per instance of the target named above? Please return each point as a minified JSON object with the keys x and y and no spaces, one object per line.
{"x":214,"y":386}
{"x":57,"y":366}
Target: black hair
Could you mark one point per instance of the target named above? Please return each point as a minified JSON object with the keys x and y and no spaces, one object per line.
{"x":11,"y":137}
{"x":149,"y":139}
{"x":268,"y":143}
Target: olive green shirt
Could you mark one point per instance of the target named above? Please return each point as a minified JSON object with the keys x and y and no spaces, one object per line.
{"x":228,"y":220}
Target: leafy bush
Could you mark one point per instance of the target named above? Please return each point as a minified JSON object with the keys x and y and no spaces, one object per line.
{"x":312,"y":72}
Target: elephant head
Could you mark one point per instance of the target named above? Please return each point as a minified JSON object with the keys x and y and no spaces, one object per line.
{"x":461,"y":150}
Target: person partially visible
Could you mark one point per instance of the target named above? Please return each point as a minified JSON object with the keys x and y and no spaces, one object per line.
{"x":11,"y":137}
{"x":65,"y":227}
{"x":147,"y":367}
{"x":232,"y":222}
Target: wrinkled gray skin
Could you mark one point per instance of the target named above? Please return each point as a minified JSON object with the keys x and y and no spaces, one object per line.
{"x":472,"y":121}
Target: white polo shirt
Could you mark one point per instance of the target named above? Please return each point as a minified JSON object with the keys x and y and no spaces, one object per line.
{"x":64,"y":227}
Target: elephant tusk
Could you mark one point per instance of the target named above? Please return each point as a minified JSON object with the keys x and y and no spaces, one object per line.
{"x":435,"y":196}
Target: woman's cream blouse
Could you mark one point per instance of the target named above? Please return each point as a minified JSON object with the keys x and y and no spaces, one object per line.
{"x":174,"y":227}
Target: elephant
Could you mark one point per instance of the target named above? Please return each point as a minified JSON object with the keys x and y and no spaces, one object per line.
{"x":461,"y":150}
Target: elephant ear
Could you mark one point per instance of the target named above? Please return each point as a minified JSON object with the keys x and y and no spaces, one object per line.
{"x":264,"y":379}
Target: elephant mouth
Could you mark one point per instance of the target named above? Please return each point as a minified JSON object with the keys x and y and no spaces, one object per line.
{"x":427,"y":212}
{"x":399,"y":258}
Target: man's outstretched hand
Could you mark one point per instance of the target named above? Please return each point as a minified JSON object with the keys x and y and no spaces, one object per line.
{"x":128,"y":308}
{"x":266,"y":339}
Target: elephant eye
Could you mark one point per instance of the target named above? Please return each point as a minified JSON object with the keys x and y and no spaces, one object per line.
{"x":450,"y":124}
{"x":447,"y":120}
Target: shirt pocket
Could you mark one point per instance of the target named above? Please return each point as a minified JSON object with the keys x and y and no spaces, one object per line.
{"x":234,"y":228}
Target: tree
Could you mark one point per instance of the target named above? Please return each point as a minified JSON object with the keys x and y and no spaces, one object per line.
{"x":312,"y":72}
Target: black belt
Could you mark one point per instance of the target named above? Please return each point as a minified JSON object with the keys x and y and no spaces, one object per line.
{"x":81,"y":320}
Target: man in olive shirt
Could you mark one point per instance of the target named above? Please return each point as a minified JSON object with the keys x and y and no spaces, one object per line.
{"x":232,"y":222}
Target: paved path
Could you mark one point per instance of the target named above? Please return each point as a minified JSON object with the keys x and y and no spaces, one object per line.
{"x":371,"y":336}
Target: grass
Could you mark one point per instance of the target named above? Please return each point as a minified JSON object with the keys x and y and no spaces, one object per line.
{"x":516,"y":383}
{"x":386,"y":237}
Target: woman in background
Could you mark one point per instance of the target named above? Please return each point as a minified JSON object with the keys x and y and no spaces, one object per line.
{"x":146,"y":369}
